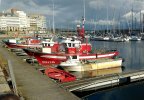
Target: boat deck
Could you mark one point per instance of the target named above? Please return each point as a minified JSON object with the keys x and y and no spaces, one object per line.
{"x":32,"y":84}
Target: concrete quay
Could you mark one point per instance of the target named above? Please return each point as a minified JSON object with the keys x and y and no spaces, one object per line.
{"x":32,"y":84}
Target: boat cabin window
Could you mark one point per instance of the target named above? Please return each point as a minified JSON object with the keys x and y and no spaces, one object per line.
{"x":73,"y":45}
{"x":45,"y":44}
{"x":74,"y":57}
{"x":69,"y":44}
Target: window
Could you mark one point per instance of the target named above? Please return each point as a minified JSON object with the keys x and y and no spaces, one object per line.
{"x":73,"y":45}
{"x":69,"y":44}
{"x":43,"y":45}
{"x":74,"y":57}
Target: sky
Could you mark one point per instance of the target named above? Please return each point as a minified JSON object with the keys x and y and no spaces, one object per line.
{"x":69,"y":12}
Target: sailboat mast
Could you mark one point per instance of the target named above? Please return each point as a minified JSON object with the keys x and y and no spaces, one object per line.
{"x":107,"y":15}
{"x":113,"y":23}
{"x":132,"y":19}
{"x":142,"y":22}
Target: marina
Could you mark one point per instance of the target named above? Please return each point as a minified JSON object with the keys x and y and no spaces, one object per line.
{"x":59,"y":67}
{"x":96,"y":83}
{"x":76,"y":50}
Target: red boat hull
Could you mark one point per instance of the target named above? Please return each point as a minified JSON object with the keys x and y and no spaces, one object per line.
{"x":48,"y":59}
{"x":59,"y":75}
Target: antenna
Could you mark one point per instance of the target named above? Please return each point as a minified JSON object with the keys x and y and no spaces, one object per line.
{"x":0,"y":2}
{"x":53,"y":17}
{"x":132,"y":19}
{"x":83,"y":19}
{"x":84,"y":8}
{"x":107,"y":16}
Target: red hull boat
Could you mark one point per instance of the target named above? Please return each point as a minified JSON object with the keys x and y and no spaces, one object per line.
{"x":59,"y":75}
{"x":29,"y":43}
{"x":48,"y":59}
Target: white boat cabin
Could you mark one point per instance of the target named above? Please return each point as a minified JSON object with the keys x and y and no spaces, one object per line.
{"x":71,"y":61}
{"x":71,"y":43}
{"x":47,"y":46}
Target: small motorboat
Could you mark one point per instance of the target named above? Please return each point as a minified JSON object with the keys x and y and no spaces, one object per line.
{"x":59,"y":75}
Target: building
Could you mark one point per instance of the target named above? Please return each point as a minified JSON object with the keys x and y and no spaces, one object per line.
{"x":37,"y":22}
{"x":17,"y":20}
{"x":9,"y":22}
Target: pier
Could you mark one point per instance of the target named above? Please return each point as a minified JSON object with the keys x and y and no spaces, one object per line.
{"x":32,"y":84}
{"x":107,"y":81}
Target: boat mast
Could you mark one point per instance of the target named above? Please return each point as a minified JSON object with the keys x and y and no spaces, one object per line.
{"x":132,"y":19}
{"x":107,"y":16}
{"x":142,"y":22}
{"x":94,"y":27}
{"x":113,"y":23}
{"x":83,"y":19}
{"x":84,"y":14}
{"x":119,"y":25}
{"x":83,"y":25}
{"x":53,"y":16}
{"x":84,"y":8}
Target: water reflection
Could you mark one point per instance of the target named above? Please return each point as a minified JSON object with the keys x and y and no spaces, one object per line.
{"x":94,"y":73}
{"x":132,"y":52}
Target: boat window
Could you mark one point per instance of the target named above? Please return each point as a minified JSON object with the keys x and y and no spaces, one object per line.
{"x":43,"y":44}
{"x":74,"y":57}
{"x":48,"y":44}
{"x":73,"y":45}
{"x":69,"y":44}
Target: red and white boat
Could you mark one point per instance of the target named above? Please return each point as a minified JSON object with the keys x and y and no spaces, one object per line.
{"x":52,"y":54}
{"x":25,"y":43}
{"x":72,"y":48}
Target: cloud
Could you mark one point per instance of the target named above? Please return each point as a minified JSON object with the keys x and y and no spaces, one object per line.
{"x":97,"y":4}
{"x":32,"y":7}
{"x":129,"y":15}
{"x":106,"y":22}
{"x":70,"y":11}
{"x":98,"y":22}
{"x":136,"y":15}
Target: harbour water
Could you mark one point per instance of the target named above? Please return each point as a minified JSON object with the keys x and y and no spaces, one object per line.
{"x":133,"y":53}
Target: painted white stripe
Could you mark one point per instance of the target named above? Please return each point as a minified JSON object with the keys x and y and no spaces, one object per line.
{"x":106,"y":55}
{"x":30,"y":45}
{"x":80,"y":57}
{"x":84,"y":57}
{"x":99,"y":56}
{"x":59,"y":57}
